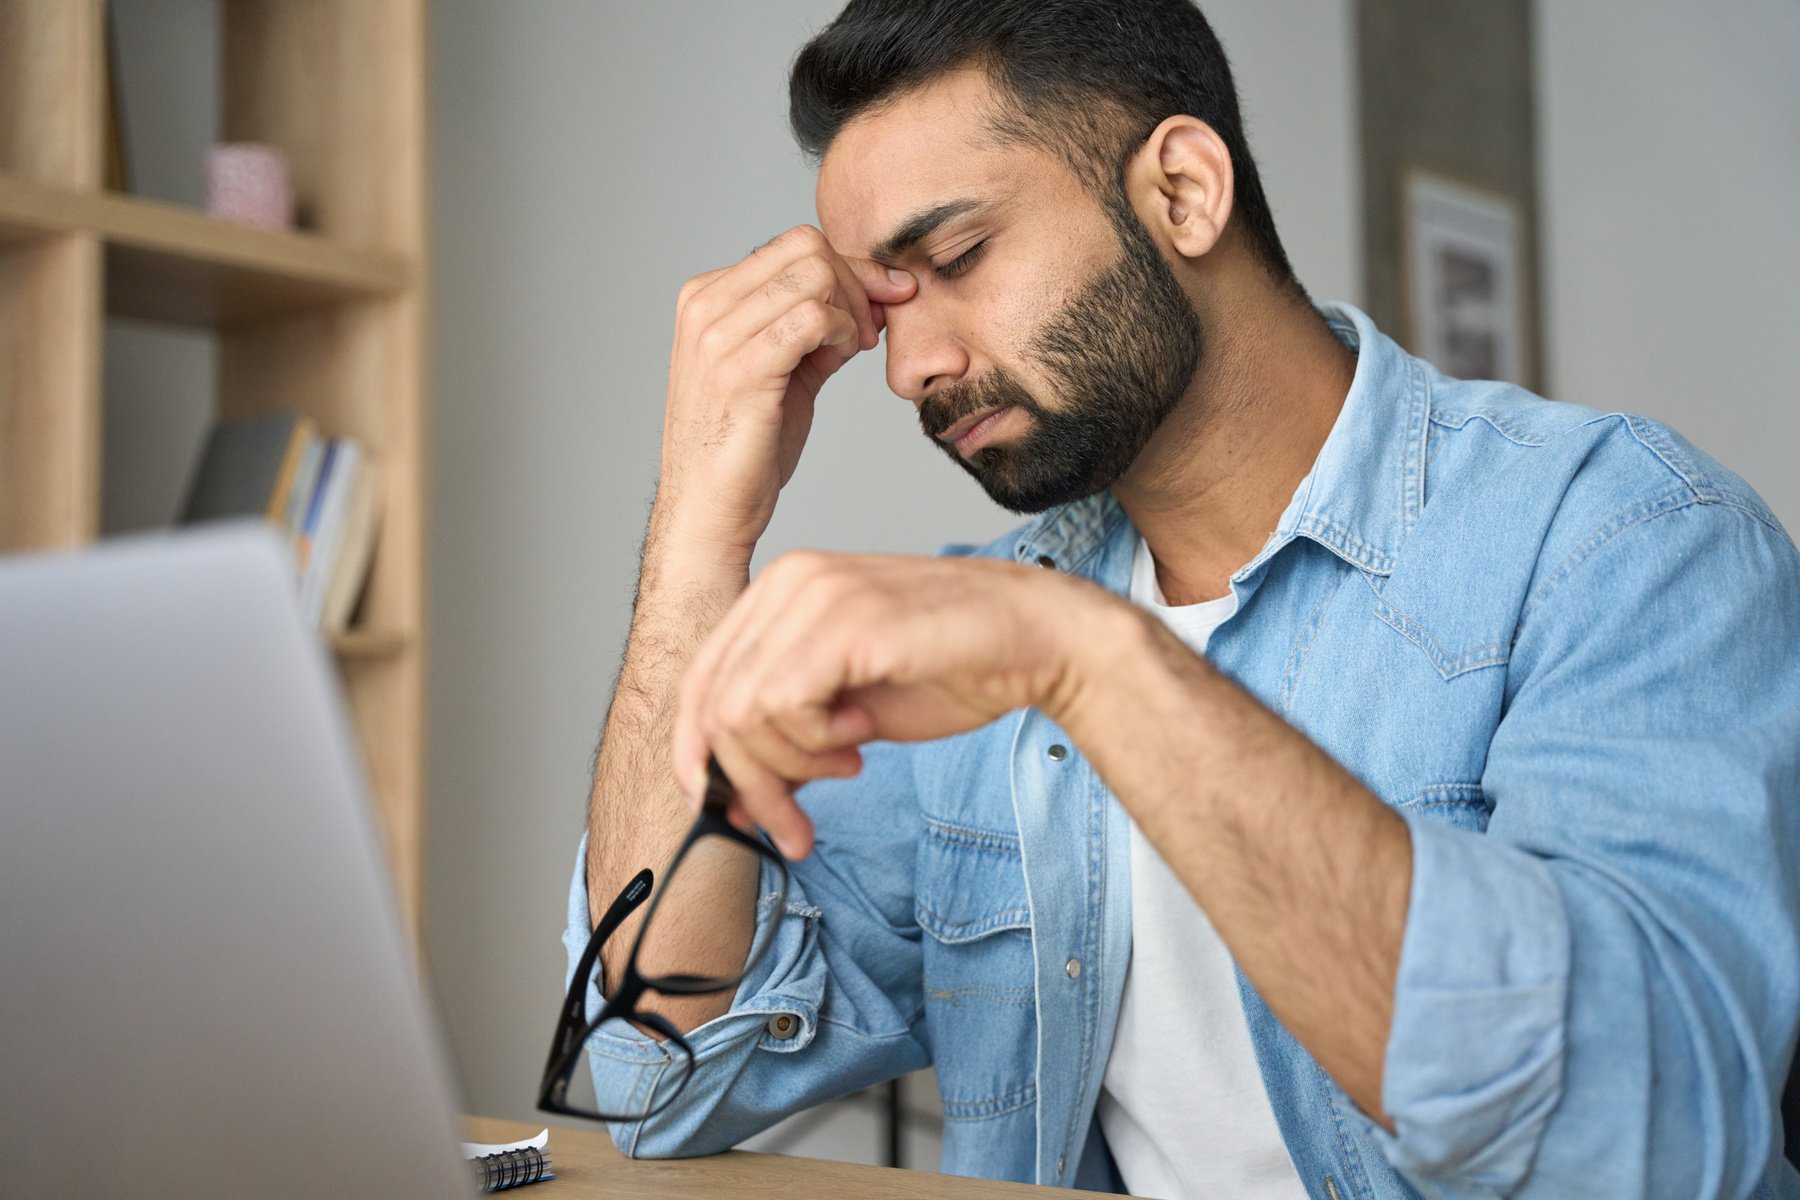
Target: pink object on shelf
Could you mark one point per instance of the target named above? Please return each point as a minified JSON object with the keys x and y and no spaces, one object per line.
{"x":247,"y":182}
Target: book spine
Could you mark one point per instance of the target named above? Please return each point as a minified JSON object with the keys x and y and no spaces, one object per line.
{"x":309,"y":525}
{"x":356,"y":547}
{"x":298,"y":441}
{"x":344,"y":467}
{"x":306,"y":476}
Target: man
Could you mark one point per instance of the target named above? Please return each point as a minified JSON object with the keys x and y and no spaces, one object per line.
{"x":1353,"y":782}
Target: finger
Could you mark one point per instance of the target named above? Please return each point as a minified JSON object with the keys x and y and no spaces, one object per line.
{"x":887,"y":285}
{"x":693,"y":287}
{"x":751,"y":302}
{"x":774,"y":338}
{"x":826,"y":732}
{"x":853,"y":297}
{"x":768,"y":263}
{"x":908,"y":713}
{"x":783,"y":758}
{"x":789,"y":598}
{"x":766,"y":797}
{"x":798,"y":616}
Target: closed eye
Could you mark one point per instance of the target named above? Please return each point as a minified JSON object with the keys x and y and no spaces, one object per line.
{"x":961,"y":262}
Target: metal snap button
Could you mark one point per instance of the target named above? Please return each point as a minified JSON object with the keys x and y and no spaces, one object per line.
{"x":783,"y":1026}
{"x":1058,"y":752}
{"x":1061,"y":1164}
{"x":1044,"y":560}
{"x":1073,"y":967}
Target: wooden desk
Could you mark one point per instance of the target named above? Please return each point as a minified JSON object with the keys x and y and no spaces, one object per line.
{"x":588,"y":1166}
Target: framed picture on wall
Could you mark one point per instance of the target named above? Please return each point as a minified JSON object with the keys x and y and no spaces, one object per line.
{"x":1465,"y":294}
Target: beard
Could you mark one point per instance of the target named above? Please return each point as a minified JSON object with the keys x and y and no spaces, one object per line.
{"x":1119,"y":356}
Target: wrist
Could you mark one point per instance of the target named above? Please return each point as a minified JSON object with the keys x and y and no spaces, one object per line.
{"x":679,"y":545}
{"x":1101,"y":636}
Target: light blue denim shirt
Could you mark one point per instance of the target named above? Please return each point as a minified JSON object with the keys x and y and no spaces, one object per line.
{"x":1563,"y":645}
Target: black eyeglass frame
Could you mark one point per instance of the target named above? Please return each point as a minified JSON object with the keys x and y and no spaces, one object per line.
{"x":573,"y":1028}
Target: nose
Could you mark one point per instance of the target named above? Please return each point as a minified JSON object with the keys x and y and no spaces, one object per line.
{"x":923,"y":354}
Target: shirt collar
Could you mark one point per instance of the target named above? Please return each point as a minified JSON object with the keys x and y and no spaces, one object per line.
{"x":1363,"y":494}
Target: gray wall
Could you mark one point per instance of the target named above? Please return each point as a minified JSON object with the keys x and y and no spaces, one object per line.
{"x":1670,"y":172}
{"x":587,"y":159}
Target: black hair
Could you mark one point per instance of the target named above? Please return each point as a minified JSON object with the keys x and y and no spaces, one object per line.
{"x":1088,"y":80}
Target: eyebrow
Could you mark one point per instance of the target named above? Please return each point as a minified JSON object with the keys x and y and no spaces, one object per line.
{"x":920,"y":226}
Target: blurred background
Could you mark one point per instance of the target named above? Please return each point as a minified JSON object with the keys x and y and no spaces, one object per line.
{"x":584,"y":157}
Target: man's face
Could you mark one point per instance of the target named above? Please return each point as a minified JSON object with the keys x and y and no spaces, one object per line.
{"x":1049,"y":337}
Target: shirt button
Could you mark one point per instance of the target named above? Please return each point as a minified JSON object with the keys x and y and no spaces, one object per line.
{"x":1058,"y":752}
{"x":1061,"y":1162}
{"x":783,"y":1026}
{"x":1073,"y":967}
{"x":1044,"y":560}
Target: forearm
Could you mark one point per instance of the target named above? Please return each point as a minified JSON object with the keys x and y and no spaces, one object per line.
{"x":1304,"y":873}
{"x":637,"y":814}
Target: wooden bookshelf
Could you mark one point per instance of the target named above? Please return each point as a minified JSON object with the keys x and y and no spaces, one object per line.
{"x":329,"y":321}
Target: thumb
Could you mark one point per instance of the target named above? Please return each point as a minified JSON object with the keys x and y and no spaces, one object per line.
{"x":884,"y":285}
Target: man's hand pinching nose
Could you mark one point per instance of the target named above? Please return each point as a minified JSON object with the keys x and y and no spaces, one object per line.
{"x":754,"y":343}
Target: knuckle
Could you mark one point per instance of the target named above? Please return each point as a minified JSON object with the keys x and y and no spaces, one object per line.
{"x":806,"y":235}
{"x":693,"y":297}
{"x":815,"y":735}
{"x":738,"y":709}
{"x":800,"y":564}
{"x":712,"y":341}
{"x":811,"y":316}
{"x":824,"y":320}
{"x":697,"y":314}
{"x":786,"y":697}
{"x":783,"y":283}
{"x":859,"y":607}
{"x":782,"y":759}
{"x":816,"y":275}
{"x":806,"y":729}
{"x":783,"y":333}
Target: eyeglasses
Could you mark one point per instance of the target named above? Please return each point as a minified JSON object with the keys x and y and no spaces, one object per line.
{"x":669,"y":958}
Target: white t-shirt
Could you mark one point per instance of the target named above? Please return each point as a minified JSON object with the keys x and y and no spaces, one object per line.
{"x":1182,"y":1105}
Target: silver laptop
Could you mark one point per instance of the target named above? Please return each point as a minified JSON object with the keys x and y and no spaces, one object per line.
{"x":204,"y":987}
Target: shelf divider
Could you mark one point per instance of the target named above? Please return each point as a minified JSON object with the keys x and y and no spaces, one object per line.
{"x":169,"y":263}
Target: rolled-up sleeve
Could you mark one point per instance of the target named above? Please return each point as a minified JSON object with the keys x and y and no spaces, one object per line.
{"x":843,"y":966}
{"x":1599,"y":995}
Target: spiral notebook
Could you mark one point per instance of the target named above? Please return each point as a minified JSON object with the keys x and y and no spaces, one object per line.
{"x":510,"y":1164}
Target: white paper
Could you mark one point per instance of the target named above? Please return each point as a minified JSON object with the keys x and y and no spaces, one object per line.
{"x":482,"y":1150}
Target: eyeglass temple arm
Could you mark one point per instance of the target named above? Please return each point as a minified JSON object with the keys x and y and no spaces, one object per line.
{"x":635,"y":893}
{"x":575,"y":1004}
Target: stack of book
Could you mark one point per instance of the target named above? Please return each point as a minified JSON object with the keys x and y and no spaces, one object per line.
{"x":323,"y":493}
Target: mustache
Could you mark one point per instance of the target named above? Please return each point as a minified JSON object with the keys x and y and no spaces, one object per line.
{"x":994,"y":390}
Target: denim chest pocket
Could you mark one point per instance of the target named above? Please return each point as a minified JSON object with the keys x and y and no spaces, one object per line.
{"x":980,"y":1000}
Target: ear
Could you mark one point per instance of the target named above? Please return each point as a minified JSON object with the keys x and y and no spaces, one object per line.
{"x":1180,"y":183}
